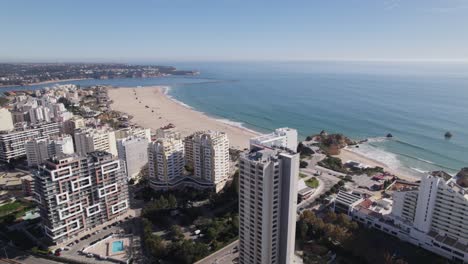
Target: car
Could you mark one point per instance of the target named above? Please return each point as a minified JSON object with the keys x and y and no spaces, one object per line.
{"x":105,"y":228}
{"x":71,"y":244}
{"x":77,"y":241}
{"x":66,"y":249}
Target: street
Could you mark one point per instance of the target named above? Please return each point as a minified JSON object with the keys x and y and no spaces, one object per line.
{"x":226,"y":255}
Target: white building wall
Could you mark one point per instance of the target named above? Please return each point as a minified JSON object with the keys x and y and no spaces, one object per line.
{"x":6,"y":120}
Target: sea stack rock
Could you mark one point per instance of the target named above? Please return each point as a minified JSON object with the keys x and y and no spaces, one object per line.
{"x":448,"y":134}
{"x":389,"y":135}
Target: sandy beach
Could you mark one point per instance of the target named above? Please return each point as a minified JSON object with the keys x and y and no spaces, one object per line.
{"x":346,"y":155}
{"x":187,"y":121}
{"x":168,"y":111}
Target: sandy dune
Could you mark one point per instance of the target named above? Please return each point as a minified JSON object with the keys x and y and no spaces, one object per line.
{"x":168,"y":111}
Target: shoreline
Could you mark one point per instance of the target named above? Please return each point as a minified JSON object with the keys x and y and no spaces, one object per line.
{"x":239,"y":125}
{"x":154,"y":108}
{"x":347,"y":154}
{"x":188,"y":120}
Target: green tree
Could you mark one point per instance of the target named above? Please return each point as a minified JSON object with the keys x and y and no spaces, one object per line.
{"x":176,"y":233}
{"x":172,"y":201}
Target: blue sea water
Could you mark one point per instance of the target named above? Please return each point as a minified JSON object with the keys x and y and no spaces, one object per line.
{"x":416,"y":102}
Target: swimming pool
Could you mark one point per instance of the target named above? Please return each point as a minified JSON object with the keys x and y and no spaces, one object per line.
{"x":117,"y":246}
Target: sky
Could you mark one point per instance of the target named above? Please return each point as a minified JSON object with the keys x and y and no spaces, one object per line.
{"x":202,"y":30}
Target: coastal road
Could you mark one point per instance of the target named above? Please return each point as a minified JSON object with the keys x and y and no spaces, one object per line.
{"x":226,"y":255}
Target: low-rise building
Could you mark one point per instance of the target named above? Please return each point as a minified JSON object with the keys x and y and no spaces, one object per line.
{"x":282,"y":137}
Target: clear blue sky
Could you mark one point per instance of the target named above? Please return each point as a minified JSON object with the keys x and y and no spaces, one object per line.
{"x":127,"y":31}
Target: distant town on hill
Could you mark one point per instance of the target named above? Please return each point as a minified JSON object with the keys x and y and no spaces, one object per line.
{"x":35,"y":73}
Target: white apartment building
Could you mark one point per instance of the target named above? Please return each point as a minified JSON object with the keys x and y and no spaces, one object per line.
{"x":165,"y":162}
{"x":37,"y":151}
{"x":134,"y":151}
{"x":432,"y":215}
{"x":133,"y":132}
{"x":267,"y":206}
{"x":6,"y":120}
{"x":40,"y":149}
{"x":78,"y":193}
{"x":12,"y":143}
{"x":63,"y":145}
{"x":207,"y":152}
{"x":281,"y":137}
{"x":89,"y":140}
{"x":39,"y":114}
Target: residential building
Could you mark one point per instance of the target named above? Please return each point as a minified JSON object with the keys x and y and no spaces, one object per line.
{"x":165,"y":162}
{"x":63,"y":145}
{"x":89,"y":140}
{"x":134,"y":151}
{"x":71,"y":125}
{"x":133,"y":132}
{"x":431,"y":215}
{"x":78,"y":193}
{"x":167,"y":133}
{"x":267,"y":205}
{"x":12,"y":143}
{"x":27,"y":185}
{"x":281,"y":137}
{"x":207,"y":152}
{"x":6,"y":120}
{"x":20,"y":117}
{"x":38,"y":150}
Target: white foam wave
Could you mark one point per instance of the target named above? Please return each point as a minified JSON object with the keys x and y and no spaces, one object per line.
{"x":236,"y":124}
{"x":376,"y":139}
{"x":166,"y":90}
{"x":419,"y":170}
{"x":382,"y":156}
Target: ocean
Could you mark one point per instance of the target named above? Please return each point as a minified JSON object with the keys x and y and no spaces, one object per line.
{"x":415,"y":102}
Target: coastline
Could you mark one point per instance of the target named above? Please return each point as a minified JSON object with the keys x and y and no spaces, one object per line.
{"x":45,"y":82}
{"x":164,"y":109}
{"x":346,"y":154}
{"x":154,"y":108}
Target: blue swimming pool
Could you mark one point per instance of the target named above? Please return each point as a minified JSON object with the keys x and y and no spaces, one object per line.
{"x":117,"y":246}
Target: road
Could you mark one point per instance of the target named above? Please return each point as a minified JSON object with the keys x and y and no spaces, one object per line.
{"x":325,"y":177}
{"x":225,"y":255}
{"x":13,"y":255}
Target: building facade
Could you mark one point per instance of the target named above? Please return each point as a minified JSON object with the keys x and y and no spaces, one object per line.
{"x":267,"y":205}
{"x":40,"y":149}
{"x":77,"y":193}
{"x":12,"y":143}
{"x":207,"y":153}
{"x":6,"y":120}
{"x":432,"y":215}
{"x":134,"y":151}
{"x":282,"y":137}
{"x":37,"y":151}
{"x":89,"y":140}
{"x":165,"y":162}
